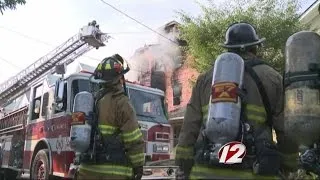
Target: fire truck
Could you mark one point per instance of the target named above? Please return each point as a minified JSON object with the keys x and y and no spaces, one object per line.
{"x":36,"y":112}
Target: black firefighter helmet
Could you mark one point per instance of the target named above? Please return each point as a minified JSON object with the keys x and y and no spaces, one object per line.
{"x":241,"y":35}
{"x":111,"y":69}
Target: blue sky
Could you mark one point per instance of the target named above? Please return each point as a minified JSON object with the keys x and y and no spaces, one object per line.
{"x":54,"y":21}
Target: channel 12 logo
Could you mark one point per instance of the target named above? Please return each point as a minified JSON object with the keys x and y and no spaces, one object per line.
{"x":232,"y":153}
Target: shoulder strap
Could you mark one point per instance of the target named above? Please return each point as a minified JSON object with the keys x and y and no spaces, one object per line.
{"x":249,"y":64}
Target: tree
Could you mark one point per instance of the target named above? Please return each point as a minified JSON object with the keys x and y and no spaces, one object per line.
{"x":10,"y":4}
{"x":275,"y":20}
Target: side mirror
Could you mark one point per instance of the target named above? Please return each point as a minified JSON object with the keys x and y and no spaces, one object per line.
{"x":61,"y":69}
{"x":59,"y":91}
{"x":57,"y":106}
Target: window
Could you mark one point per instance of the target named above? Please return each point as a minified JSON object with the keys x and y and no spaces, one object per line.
{"x":45,"y":104}
{"x":36,"y":105}
{"x":162,"y":136}
{"x":176,"y":92}
{"x":80,"y":85}
{"x":17,"y":103}
{"x":148,"y":106}
{"x":64,"y":100}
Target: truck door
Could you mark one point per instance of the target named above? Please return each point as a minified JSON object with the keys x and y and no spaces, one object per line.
{"x":35,"y":129}
{"x":60,"y":129}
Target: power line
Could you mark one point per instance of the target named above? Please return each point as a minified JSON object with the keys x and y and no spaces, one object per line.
{"x":35,"y":39}
{"x":142,"y":24}
{"x":48,"y":44}
{"x":129,"y":32}
{"x":10,"y":63}
{"x":24,"y":35}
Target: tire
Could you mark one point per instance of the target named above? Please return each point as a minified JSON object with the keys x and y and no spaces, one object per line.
{"x":40,"y":166}
{"x":10,"y":174}
{"x":2,"y":175}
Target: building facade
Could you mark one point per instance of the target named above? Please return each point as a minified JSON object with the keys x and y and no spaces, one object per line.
{"x":165,"y":66}
{"x":311,"y":16}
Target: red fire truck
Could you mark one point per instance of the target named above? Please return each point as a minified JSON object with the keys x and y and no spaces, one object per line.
{"x":36,"y":114}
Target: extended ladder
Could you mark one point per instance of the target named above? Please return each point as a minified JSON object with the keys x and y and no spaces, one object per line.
{"x":89,"y":37}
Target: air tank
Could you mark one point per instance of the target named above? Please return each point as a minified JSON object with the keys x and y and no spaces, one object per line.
{"x":223,"y":121}
{"x":302,"y":88}
{"x":80,"y":133}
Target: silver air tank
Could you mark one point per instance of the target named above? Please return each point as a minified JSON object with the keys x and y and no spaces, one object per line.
{"x":80,"y":133}
{"x":223,"y":121}
{"x":302,"y":88}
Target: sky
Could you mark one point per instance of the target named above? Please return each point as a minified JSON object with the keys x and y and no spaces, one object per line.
{"x":48,"y":23}
{"x":34,"y":29}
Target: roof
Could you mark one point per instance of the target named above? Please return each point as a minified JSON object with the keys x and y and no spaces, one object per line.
{"x":312,"y":9}
{"x":145,"y":47}
{"x":86,"y":67}
{"x":169,"y":25}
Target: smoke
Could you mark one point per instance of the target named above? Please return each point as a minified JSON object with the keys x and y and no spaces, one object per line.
{"x":163,"y":56}
{"x":168,"y":50}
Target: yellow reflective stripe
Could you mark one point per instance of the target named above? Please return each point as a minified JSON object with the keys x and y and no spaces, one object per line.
{"x":202,"y":172}
{"x":184,"y":149}
{"x":108,"y":169}
{"x":204,"y":110}
{"x":252,"y":111}
{"x":107,"y":66}
{"x":107,"y":129}
{"x":255,"y":108}
{"x":182,"y":156}
{"x":99,"y":67}
{"x":132,"y":136}
{"x":256,"y":118}
{"x":137,"y":158}
{"x":184,"y":152}
{"x":256,"y":113}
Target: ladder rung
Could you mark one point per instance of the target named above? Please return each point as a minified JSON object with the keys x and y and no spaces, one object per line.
{"x":41,"y":66}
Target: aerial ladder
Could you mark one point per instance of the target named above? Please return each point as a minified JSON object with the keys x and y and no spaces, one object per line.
{"x":89,"y":37}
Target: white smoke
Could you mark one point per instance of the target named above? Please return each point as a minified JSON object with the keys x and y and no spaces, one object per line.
{"x":164,"y":55}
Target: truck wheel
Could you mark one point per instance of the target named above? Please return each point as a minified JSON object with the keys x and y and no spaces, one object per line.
{"x":10,"y":174}
{"x":40,"y":166}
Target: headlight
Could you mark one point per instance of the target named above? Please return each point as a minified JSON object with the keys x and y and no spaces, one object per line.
{"x":160,"y":148}
{"x":165,"y":148}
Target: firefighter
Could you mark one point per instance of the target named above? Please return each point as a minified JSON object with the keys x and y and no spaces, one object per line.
{"x":264,"y":110}
{"x":120,"y":153}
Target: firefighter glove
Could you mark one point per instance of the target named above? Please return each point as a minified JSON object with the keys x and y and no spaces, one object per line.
{"x":137,"y":172}
{"x":180,"y":174}
{"x":268,"y":160}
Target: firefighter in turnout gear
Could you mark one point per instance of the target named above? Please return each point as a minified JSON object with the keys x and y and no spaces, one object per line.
{"x":262,"y":110}
{"x":120,"y":150}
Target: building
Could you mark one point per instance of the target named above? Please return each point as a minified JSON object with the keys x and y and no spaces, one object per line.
{"x":311,"y":16}
{"x":165,"y":66}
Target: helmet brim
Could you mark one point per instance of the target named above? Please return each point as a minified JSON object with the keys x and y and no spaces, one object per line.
{"x":242,"y":45}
